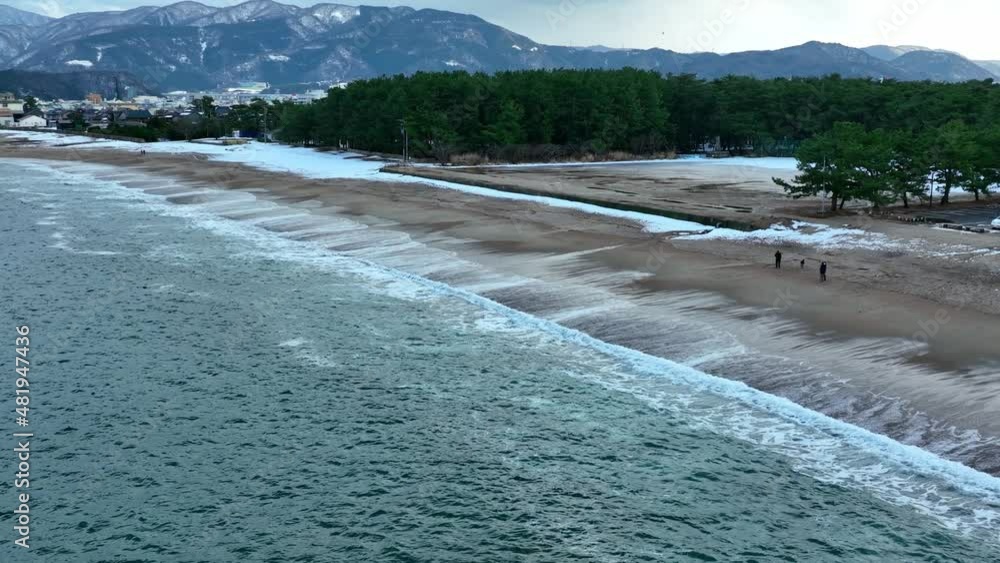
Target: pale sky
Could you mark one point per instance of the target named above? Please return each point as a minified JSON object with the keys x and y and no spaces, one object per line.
{"x":965,"y":26}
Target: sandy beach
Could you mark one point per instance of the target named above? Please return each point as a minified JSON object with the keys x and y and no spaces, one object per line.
{"x":901,"y":340}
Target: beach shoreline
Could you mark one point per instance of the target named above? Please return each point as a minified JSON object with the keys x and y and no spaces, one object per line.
{"x":914,"y":327}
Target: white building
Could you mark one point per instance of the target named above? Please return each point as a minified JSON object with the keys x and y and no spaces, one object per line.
{"x":312,"y":95}
{"x":179,"y":98}
{"x":32,"y":121}
{"x":148,"y":100}
{"x":6,"y":118}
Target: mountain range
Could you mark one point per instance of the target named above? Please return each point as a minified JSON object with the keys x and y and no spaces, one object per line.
{"x":192,"y":46}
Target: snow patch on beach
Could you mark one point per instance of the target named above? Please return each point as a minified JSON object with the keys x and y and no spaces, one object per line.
{"x":56,"y":139}
{"x":805,"y":234}
{"x":825,"y":237}
{"x":769,"y":163}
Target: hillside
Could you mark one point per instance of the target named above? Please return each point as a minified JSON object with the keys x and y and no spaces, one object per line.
{"x":69,"y":85}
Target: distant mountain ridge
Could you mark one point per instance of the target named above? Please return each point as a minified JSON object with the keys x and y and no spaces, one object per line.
{"x":941,"y":66}
{"x":190,"y":46}
{"x":893,"y":52}
{"x":69,"y":85}
{"x":13,"y":16}
{"x":992,"y":66}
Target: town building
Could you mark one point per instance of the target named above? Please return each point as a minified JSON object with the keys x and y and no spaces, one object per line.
{"x":147,"y":100}
{"x":132,"y":117}
{"x":15,"y":106}
{"x":32,"y":120}
{"x":6,"y":118}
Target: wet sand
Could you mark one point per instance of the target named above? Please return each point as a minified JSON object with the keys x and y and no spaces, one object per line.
{"x":853,"y":348}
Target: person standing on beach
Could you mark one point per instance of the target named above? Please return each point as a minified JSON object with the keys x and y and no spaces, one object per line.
{"x":822,"y":272}
{"x":802,"y":264}
{"x":777,"y":259}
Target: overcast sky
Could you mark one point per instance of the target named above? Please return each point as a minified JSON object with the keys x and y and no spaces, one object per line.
{"x":966,"y":26}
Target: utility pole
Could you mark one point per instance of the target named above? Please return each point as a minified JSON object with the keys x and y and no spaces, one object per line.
{"x":406,"y":142}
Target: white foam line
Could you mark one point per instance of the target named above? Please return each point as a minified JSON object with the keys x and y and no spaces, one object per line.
{"x":915,"y":460}
{"x":911,"y":457}
{"x":496,"y":283}
{"x":979,"y":483}
{"x":716,"y":355}
{"x":324,"y":230}
{"x":584,"y":311}
{"x":165,"y":191}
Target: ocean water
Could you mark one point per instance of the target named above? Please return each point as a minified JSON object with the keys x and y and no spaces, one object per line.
{"x":207,"y":390}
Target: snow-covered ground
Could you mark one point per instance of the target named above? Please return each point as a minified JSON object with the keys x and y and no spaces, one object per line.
{"x":821,"y":236}
{"x":802,"y":233}
{"x":807,"y":234}
{"x":52,"y":139}
{"x":769,"y":163}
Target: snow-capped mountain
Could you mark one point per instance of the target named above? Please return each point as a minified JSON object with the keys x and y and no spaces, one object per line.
{"x":189,"y":45}
{"x":252,"y":11}
{"x":181,"y":13}
{"x":893,"y":52}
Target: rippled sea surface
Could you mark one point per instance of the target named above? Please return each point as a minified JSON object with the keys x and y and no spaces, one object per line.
{"x":205,"y":391}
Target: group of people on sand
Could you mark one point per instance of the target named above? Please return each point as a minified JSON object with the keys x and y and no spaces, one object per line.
{"x":822,"y":267}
